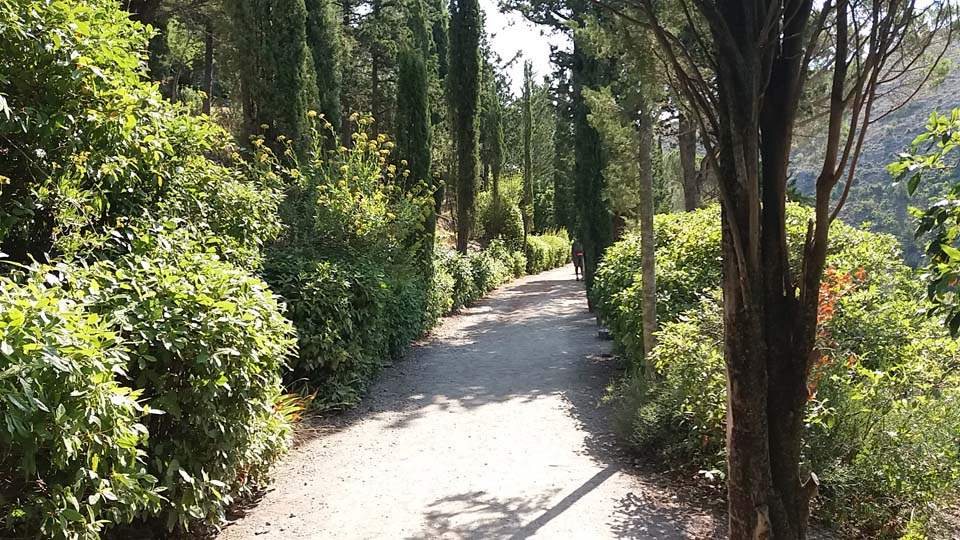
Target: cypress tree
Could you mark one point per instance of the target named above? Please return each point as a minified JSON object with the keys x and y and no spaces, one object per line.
{"x":463,"y":94}
{"x":420,"y":32}
{"x":276,"y":73}
{"x":527,"y":204}
{"x":491,"y":128}
{"x":413,"y":130}
{"x":323,"y":37}
{"x":441,"y":37}
{"x":595,"y":218}
{"x":413,"y":115}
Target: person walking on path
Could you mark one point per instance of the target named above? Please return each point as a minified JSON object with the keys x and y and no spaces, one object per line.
{"x":577,"y":253}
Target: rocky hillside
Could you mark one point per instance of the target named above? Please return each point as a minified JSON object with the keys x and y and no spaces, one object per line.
{"x":875,"y":200}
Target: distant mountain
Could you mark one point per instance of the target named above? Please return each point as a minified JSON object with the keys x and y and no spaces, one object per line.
{"x":874,"y":199}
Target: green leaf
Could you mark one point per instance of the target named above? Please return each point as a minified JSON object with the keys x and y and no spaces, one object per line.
{"x":913,"y":183}
{"x":185,"y":475}
{"x":951,"y":251}
{"x":71,"y":514}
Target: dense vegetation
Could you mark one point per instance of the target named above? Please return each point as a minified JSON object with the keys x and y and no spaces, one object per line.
{"x":881,"y":421}
{"x":168,"y":297}
{"x":214,"y":215}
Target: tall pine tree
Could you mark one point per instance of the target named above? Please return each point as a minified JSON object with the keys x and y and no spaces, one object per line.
{"x":413,"y":115}
{"x":526,"y":205}
{"x":323,"y":37}
{"x":277,"y":78}
{"x":491,"y":128}
{"x":413,"y":129}
{"x":463,"y":93}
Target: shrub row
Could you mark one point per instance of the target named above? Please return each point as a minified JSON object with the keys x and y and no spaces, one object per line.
{"x":499,"y":218}
{"x":144,"y":385}
{"x":354,"y":315}
{"x":548,"y":250}
{"x":882,"y":421}
{"x":142,"y":367}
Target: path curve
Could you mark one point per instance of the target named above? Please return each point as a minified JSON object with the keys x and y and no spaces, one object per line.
{"x":492,"y":429}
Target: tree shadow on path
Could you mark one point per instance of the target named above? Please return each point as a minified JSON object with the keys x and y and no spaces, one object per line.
{"x":530,"y":340}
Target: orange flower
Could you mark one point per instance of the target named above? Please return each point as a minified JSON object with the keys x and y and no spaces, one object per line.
{"x":851,"y":361}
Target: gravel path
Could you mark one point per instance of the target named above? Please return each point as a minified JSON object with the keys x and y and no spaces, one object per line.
{"x":492,"y":429}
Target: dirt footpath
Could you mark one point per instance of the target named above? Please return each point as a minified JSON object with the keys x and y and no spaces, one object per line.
{"x":490,"y":430}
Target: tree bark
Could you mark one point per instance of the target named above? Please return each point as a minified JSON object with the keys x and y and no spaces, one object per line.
{"x":175,"y":87}
{"x":769,"y":331}
{"x":647,"y":240}
{"x":687,"y":146}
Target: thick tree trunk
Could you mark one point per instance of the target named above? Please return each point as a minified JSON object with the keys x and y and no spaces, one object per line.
{"x":748,"y":465}
{"x":175,"y":87}
{"x":464,"y":213}
{"x":208,"y":67}
{"x":687,"y":146}
{"x":769,"y":330}
{"x":766,"y":398}
{"x":647,"y":241}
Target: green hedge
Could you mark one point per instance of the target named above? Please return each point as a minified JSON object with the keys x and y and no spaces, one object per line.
{"x":547,"y":251}
{"x":145,"y":366}
{"x":71,"y":433}
{"x":882,"y":422}
{"x":688,"y":264}
{"x":148,"y":214}
{"x":174,"y":332}
{"x":208,"y":343}
{"x":339,"y":310}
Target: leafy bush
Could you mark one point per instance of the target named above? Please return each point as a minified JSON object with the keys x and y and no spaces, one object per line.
{"x":169,"y":325}
{"x":882,"y":422}
{"x":459,"y":267}
{"x":490,"y":269}
{"x":514,"y":260}
{"x":439,"y":296}
{"x":92,"y":155}
{"x":406,"y":310}
{"x":559,"y":247}
{"x":208,"y":343}
{"x":348,"y":202}
{"x":546,"y":251}
{"x":89,"y":141}
{"x":688,"y":264}
{"x":346,"y":262}
{"x":338,"y":310}
{"x":502,"y":220}
{"x":72,"y":434}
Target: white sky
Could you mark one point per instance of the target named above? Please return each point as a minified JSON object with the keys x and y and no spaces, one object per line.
{"x":510,"y":33}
